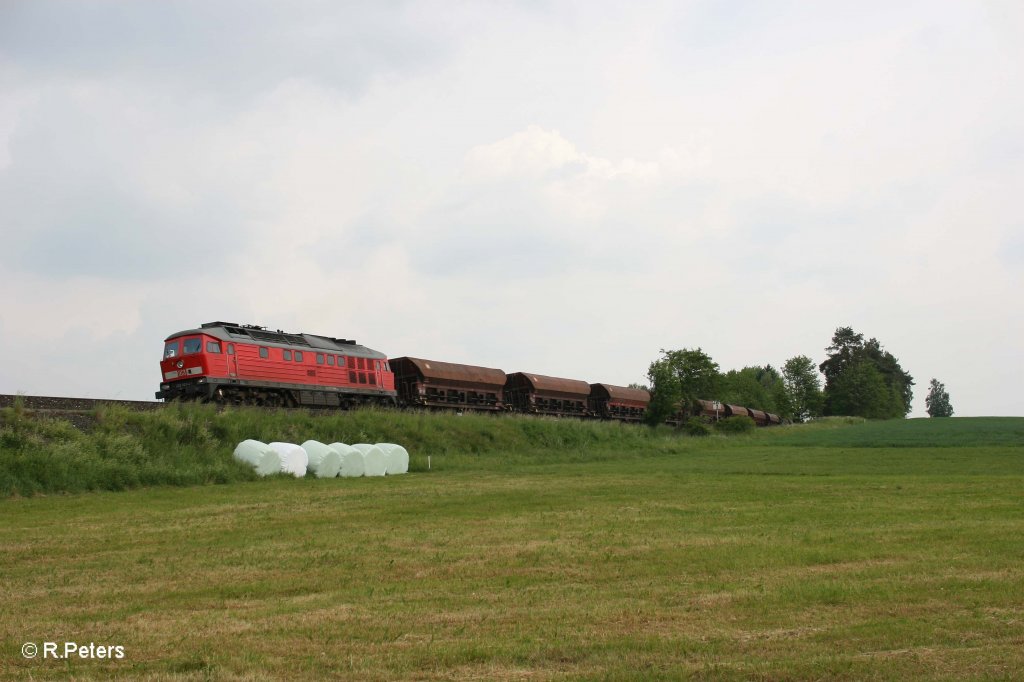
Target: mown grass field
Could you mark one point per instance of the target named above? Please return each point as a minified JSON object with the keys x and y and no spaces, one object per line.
{"x":835,"y":551}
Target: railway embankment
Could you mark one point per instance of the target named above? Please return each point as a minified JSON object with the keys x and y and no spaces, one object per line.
{"x":50,"y":448}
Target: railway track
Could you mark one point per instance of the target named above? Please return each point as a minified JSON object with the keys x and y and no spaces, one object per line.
{"x":62,"y":404}
{"x":44,"y":405}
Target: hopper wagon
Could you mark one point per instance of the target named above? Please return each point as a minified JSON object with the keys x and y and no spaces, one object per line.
{"x":539,"y":394}
{"x":431,"y":383}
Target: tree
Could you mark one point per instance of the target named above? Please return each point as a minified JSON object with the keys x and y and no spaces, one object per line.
{"x":680,"y":376}
{"x":774,"y":383}
{"x":898,"y":381}
{"x":665,"y":394}
{"x":861,"y":391}
{"x":846,"y":346}
{"x":937,"y":400}
{"x":759,"y":387}
{"x":697,"y":373}
{"x":852,"y":372}
{"x":741,"y":387}
{"x":803,"y":388}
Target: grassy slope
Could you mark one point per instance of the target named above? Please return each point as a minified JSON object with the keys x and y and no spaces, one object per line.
{"x":720,"y":558}
{"x":190,"y":445}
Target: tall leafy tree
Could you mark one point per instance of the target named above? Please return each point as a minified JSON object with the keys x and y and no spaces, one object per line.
{"x":775,"y":385}
{"x":664,"y":388}
{"x":900,"y":383}
{"x":681,"y":376}
{"x":803,"y":388}
{"x":741,"y":387}
{"x":698,"y":374}
{"x":852,"y":372}
{"x":937,"y":400}
{"x":758,"y":387}
{"x":846,"y":347}
{"x":861,"y":391}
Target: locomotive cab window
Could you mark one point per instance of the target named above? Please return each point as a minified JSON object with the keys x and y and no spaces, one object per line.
{"x":171,"y":349}
{"x":193,"y":346}
{"x":213,"y":346}
{"x":287,"y":355}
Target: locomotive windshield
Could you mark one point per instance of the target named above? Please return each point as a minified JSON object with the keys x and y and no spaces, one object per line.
{"x":192,"y":346}
{"x":170,"y":349}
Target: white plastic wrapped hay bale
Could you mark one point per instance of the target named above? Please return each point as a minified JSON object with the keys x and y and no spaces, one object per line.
{"x":324,"y":461}
{"x":398,"y":458}
{"x":352,"y":463}
{"x":263,"y":458}
{"x":375,"y":462}
{"x":294,"y":459}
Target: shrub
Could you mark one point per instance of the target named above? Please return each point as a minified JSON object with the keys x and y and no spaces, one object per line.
{"x":695,"y":427}
{"x":732,"y":425}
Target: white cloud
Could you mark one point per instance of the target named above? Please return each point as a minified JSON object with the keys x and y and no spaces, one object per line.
{"x":532,"y":152}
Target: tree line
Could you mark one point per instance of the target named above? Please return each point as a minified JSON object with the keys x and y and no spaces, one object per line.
{"x":861,"y":379}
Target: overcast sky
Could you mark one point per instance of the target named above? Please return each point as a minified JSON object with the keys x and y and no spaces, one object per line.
{"x":556,"y":187}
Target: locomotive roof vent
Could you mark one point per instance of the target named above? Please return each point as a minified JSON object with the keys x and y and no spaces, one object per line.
{"x":278,"y":337}
{"x":231,"y":326}
{"x":262,"y":334}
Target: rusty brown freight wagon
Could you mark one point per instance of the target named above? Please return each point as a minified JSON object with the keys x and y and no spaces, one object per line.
{"x":737,"y":411}
{"x":709,"y":410}
{"x":618,"y":402}
{"x":539,"y":394}
{"x":430,"y":383}
{"x":760,"y":418}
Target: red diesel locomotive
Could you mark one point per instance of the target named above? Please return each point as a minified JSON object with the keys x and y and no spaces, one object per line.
{"x":234,"y":364}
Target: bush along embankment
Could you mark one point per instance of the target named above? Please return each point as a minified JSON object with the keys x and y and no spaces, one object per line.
{"x":117,"y":449}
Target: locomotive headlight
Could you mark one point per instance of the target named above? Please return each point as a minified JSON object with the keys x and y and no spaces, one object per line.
{"x":181,"y":363}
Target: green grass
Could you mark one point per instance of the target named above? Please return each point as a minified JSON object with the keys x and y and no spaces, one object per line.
{"x":712,"y":558}
{"x":955,"y":432}
{"x":192,"y":444}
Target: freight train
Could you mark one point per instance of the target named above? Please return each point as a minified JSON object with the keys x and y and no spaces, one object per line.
{"x":238,"y":364}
